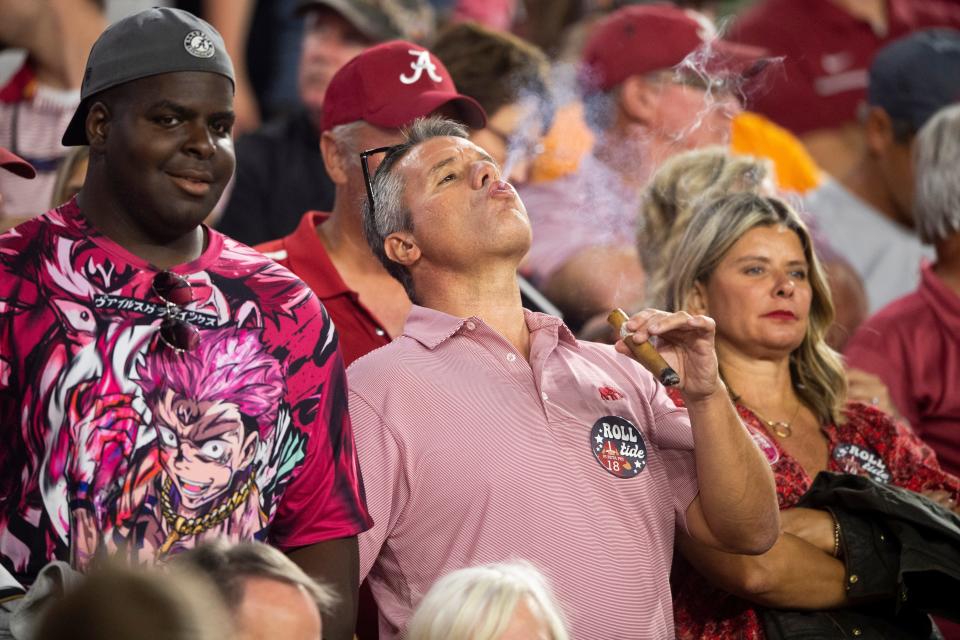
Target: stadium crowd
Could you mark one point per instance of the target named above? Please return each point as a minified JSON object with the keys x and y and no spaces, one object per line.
{"x":308,"y":330}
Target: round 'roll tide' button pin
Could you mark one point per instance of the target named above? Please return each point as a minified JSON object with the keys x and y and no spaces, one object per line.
{"x":618,"y":446}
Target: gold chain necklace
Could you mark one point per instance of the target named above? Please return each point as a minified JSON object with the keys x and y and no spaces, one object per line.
{"x":779,"y":428}
{"x":181,"y":527}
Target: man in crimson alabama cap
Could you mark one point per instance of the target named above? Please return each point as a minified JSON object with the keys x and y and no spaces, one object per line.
{"x":656,"y":80}
{"x":367,"y":103}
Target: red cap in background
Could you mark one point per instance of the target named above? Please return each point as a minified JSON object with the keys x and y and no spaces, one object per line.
{"x":391,"y":85}
{"x":640,"y":39}
{"x":15,"y":164}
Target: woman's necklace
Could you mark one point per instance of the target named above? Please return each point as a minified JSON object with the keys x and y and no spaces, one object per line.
{"x":779,"y":428}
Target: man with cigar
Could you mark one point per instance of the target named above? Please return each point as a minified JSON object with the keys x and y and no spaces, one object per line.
{"x":487,"y":432}
{"x":161,"y":384}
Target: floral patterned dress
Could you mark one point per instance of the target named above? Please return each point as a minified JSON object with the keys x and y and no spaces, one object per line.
{"x":869,"y":442}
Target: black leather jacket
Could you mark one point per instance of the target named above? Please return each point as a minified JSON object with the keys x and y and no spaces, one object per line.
{"x":902,"y":554}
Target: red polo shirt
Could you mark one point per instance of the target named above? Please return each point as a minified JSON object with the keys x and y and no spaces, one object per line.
{"x":827,"y":54}
{"x":303,"y":253}
{"x":913,"y":345}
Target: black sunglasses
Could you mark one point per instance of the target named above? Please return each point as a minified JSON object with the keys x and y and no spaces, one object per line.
{"x":366,"y":169}
{"x":176,"y":292}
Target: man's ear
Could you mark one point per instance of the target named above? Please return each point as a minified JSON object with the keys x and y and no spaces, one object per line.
{"x":878,"y":130}
{"x":401,"y":247}
{"x":334,"y":159}
{"x":697,"y":302}
{"x":97,"y":124}
{"x":638,"y":99}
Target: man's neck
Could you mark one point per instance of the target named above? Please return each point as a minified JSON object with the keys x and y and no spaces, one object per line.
{"x":866,"y":184}
{"x":342,"y":237}
{"x":493,"y":296}
{"x":111,"y":219}
{"x":948,"y":262}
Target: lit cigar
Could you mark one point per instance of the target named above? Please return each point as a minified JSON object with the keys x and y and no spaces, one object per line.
{"x":644,"y":353}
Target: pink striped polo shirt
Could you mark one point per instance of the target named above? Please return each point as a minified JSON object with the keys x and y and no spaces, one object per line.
{"x":576,"y":461}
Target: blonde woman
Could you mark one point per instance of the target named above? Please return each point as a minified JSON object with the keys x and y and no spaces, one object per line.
{"x":491,"y":602}
{"x":675,"y":190}
{"x":747,"y":261}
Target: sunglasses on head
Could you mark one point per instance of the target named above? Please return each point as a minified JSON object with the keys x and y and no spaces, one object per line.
{"x":176,"y":292}
{"x":364,"y":164}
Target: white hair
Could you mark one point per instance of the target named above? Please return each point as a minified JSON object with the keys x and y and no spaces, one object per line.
{"x":937,"y":168}
{"x":477,"y":603}
{"x":347,"y":139}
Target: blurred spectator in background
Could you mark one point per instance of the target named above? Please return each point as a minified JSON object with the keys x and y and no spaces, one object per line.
{"x":490,"y":602}
{"x":38,"y":101}
{"x":510,"y":78}
{"x":827,"y":47}
{"x":280,"y":171}
{"x":267,"y":594}
{"x":657,"y":81}
{"x":20,"y":168}
{"x":128,"y":604}
{"x":70,"y":175}
{"x":913,"y":344}
{"x":866,"y":214}
{"x":383,"y":89}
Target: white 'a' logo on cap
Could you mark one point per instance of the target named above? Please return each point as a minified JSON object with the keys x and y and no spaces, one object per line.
{"x":199,"y":45}
{"x":422,"y":63}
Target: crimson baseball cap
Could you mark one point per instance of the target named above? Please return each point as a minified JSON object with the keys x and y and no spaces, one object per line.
{"x":15,"y":164}
{"x":638,"y":39}
{"x":914,"y":77}
{"x":148,"y":43}
{"x":391,"y":85}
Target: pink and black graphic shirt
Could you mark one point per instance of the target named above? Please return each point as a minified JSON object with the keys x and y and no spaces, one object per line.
{"x":139,"y":422}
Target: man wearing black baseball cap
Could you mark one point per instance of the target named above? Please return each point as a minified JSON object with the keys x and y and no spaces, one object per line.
{"x":160,"y":383}
{"x":867,"y":214}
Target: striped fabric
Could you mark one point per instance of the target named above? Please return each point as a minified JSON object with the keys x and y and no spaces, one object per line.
{"x":471,"y":454}
{"x":32,"y":128}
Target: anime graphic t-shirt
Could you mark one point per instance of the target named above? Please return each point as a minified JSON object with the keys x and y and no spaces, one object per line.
{"x":143,"y":411}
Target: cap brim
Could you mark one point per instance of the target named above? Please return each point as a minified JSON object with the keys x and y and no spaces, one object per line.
{"x":17,"y":165}
{"x":361,"y":22}
{"x":75,"y":134}
{"x":739,"y":59}
{"x":468,"y":110}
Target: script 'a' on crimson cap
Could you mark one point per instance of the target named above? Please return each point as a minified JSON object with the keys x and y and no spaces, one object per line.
{"x":391,"y":85}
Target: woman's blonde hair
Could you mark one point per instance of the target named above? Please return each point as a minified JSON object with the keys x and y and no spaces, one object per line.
{"x":477,"y":603}
{"x":681,"y":183}
{"x":715,"y":227}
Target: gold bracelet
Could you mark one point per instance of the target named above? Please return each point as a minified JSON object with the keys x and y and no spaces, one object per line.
{"x":836,"y":536}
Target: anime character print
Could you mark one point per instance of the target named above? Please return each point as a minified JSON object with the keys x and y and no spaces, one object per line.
{"x":115,"y":441}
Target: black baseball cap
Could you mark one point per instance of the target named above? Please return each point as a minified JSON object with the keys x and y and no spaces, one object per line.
{"x":914,"y":77}
{"x":148,"y":43}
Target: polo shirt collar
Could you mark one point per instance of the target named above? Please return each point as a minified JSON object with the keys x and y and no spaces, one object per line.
{"x":430,"y":327}
{"x":943,"y":300}
{"x":308,"y":255}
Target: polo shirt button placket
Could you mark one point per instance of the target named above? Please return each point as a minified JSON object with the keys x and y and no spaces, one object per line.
{"x":511,"y":357}
{"x":471,"y":325}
